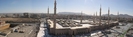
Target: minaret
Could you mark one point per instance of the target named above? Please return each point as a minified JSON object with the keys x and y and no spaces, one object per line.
{"x":94,"y":18}
{"x":48,"y":13}
{"x":100,"y":16}
{"x":81,"y":17}
{"x":96,"y":14}
{"x":55,"y":14}
{"x":68,"y":18}
{"x":108,"y":15}
{"x":118,"y":16}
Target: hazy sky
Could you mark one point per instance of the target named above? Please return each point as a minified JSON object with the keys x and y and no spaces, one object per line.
{"x":86,"y":6}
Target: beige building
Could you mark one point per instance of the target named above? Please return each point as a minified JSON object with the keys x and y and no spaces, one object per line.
{"x":85,"y":28}
{"x":70,"y":28}
{"x":4,"y":25}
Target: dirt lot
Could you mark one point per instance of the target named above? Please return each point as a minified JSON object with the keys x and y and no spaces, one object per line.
{"x":30,"y":30}
{"x":19,"y":20}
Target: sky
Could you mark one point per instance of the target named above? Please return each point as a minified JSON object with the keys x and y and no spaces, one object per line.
{"x":86,"y":6}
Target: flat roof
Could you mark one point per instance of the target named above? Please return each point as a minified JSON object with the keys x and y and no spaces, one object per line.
{"x":84,"y":21}
{"x":61,"y":27}
{"x":77,"y":27}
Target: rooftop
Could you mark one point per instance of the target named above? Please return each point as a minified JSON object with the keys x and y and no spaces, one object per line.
{"x":58,"y":26}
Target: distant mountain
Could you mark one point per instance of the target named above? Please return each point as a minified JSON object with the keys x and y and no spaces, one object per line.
{"x":71,"y":13}
{"x":120,"y":15}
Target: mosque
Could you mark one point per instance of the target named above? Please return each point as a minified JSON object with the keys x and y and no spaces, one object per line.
{"x":74,"y":27}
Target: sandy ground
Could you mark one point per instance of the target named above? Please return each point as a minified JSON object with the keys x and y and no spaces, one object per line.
{"x":29,"y":31}
{"x":20,"y":19}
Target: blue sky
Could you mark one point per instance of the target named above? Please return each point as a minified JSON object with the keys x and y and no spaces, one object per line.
{"x":86,"y":6}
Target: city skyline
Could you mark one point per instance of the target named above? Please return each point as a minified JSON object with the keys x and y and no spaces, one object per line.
{"x":86,"y":6}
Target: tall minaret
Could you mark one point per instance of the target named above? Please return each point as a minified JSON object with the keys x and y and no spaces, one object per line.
{"x":108,"y":15}
{"x":100,"y":16}
{"x":94,"y":18}
{"x":118,"y":16}
{"x":81,"y":17}
{"x":55,"y":14}
{"x":96,"y":13}
{"x":68,"y":18}
{"x":48,"y":13}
